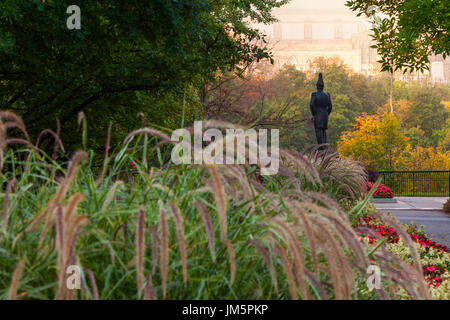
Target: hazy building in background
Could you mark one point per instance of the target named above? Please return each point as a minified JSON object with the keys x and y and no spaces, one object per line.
{"x":309,"y":29}
{"x":440,"y":69}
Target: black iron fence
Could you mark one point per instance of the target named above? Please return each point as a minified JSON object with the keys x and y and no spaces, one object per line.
{"x":417,"y":183}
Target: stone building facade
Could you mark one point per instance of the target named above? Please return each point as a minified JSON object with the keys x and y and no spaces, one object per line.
{"x":440,"y":69}
{"x":301,"y":35}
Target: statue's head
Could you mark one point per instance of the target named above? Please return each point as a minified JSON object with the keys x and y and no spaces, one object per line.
{"x":320,"y":83}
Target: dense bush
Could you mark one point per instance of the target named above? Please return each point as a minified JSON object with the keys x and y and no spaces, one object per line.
{"x":372,"y":174}
{"x":446,"y":207}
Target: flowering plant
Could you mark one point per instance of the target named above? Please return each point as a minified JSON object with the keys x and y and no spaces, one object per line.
{"x":434,"y":257}
{"x":380,"y":229}
{"x":381,"y":191}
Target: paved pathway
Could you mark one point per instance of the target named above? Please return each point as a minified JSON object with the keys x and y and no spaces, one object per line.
{"x":414,"y":203}
{"x":422,"y":211}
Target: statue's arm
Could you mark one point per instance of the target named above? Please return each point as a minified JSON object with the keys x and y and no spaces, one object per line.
{"x":311,"y":104}
{"x":330,"y":107}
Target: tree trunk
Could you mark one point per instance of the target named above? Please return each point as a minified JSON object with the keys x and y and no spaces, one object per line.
{"x":391,"y":92}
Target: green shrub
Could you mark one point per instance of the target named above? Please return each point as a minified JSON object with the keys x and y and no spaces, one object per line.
{"x":446,"y":207}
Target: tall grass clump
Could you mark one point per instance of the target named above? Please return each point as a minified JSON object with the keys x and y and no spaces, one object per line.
{"x":160,"y":231}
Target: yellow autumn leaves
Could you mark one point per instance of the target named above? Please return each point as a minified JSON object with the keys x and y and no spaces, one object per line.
{"x":378,"y":141}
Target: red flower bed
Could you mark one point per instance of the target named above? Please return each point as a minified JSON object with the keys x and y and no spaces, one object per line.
{"x":432,"y":273}
{"x":380,"y":229}
{"x":381,"y":191}
{"x":383,"y":231}
{"x":427,"y":243}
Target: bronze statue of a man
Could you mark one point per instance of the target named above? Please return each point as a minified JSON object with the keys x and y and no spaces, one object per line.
{"x":321,"y":107}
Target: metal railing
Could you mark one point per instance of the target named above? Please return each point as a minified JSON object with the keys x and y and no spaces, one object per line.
{"x":417,"y":183}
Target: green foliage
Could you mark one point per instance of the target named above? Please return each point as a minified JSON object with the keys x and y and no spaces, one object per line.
{"x":267,"y":237}
{"x":407,"y":32}
{"x":107,"y":245}
{"x":446,"y":207}
{"x":427,"y":112}
{"x":367,"y":209}
{"x":376,"y":141}
{"x":424,"y":115}
{"x":283,"y":102}
{"x":286,"y":99}
{"x":126,"y":55}
{"x":337,"y":125}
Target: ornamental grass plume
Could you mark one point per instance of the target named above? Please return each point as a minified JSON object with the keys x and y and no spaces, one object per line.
{"x":58,"y":141}
{"x":95,"y":294}
{"x":264,"y":251}
{"x":150,"y":292}
{"x":281,"y":252}
{"x":219,"y":194}
{"x":179,"y":222}
{"x":286,"y":232}
{"x":140,"y":248}
{"x":164,"y":248}
{"x":72,"y":205}
{"x":15,"y":280}
{"x":232,"y":259}
{"x":296,"y":250}
{"x":150,"y":132}
{"x":15,"y":121}
{"x":350,"y":176}
{"x":67,"y":233}
{"x":111,"y":193}
{"x":208,"y":227}
{"x":9,"y":187}
{"x":59,"y":195}
{"x":70,"y":238}
{"x":155,"y":247}
{"x":300,"y":212}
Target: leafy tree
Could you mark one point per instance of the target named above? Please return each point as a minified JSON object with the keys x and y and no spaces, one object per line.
{"x":283,"y":100}
{"x":126,"y":53}
{"x":377,"y":141}
{"x":337,"y":125}
{"x":424,"y":117}
{"x":444,"y":144}
{"x":427,"y":111}
{"x":407,"y":32}
{"x":444,"y":133}
{"x":427,"y":159}
{"x":415,"y":135}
